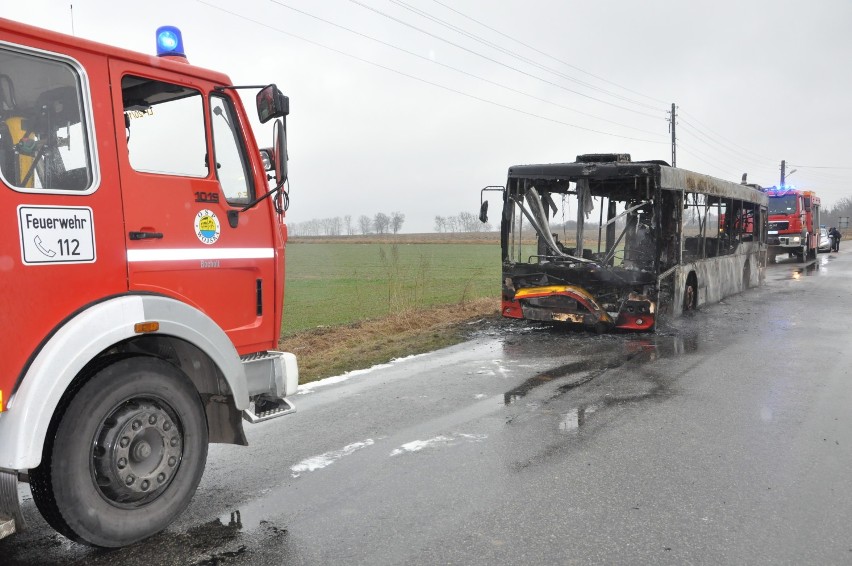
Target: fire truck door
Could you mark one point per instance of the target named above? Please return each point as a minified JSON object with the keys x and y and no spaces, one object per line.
{"x":183,"y":165}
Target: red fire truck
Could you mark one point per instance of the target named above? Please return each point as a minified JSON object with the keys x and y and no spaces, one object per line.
{"x":142,"y":270}
{"x":793,"y":223}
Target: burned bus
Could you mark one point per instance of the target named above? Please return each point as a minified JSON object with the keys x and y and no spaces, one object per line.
{"x":610,"y":243}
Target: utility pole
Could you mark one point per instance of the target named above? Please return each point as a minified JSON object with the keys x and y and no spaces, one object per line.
{"x":783,"y":172}
{"x":672,"y":123}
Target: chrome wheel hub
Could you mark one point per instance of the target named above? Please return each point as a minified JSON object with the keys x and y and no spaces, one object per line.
{"x":136,"y":452}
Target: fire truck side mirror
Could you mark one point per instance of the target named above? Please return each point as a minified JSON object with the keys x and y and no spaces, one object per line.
{"x":271,"y":103}
{"x":280,"y":157}
{"x":483,"y":212}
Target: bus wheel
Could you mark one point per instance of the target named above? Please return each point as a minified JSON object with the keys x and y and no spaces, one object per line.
{"x":690,"y":294}
{"x":125,"y":456}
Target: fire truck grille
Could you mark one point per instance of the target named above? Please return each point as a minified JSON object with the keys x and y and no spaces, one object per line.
{"x":780,"y":225}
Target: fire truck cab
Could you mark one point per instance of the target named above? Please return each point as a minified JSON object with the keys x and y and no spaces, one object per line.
{"x":794,"y":219}
{"x":142,"y":269}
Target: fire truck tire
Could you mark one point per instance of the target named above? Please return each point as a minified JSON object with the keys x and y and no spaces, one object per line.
{"x":124,"y":457}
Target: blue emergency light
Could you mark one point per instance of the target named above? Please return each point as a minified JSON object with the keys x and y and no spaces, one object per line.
{"x":169,"y":42}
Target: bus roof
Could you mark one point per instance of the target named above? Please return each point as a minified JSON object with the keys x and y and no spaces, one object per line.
{"x":621,"y":171}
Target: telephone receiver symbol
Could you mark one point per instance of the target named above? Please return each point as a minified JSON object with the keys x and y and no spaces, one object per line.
{"x":42,"y":249}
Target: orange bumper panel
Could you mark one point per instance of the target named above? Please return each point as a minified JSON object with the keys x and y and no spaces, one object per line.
{"x":635,"y":321}
{"x":593,"y":313}
{"x":511,"y":309}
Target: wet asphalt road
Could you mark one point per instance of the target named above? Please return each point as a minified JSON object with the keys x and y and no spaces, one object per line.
{"x":726,"y":437}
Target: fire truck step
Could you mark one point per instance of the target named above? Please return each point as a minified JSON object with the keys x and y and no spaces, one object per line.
{"x":265,"y":408}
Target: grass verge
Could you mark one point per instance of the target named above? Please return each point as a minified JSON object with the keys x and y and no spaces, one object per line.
{"x":340,"y":284}
{"x":323,"y":352}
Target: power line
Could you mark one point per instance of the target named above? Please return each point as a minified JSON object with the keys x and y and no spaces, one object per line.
{"x":696,"y":156}
{"x":495,"y":61}
{"x":514,"y":54}
{"x":724,"y":146}
{"x":725,"y":139}
{"x":419,"y":79}
{"x":695,"y":153}
{"x":820,"y":166}
{"x":528,"y":46}
{"x":461,"y":71}
{"x":738,"y":157}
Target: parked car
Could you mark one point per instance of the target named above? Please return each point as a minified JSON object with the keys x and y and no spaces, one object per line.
{"x":824,"y":240}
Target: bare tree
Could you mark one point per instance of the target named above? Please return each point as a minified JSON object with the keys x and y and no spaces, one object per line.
{"x":440,"y":224}
{"x":311,"y":228}
{"x":838,"y":215}
{"x":381,"y":221}
{"x":347,"y":221}
{"x":396,"y":220}
{"x":452,"y":224}
{"x":365,"y":224}
{"x":468,"y":222}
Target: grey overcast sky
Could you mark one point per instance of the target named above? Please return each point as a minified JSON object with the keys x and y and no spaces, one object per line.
{"x":414,"y":105}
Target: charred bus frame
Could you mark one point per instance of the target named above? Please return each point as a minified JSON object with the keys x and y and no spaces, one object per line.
{"x":671,"y":240}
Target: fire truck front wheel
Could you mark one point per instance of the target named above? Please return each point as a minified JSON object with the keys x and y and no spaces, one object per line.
{"x":125,"y":456}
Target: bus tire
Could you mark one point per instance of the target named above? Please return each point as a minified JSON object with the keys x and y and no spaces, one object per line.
{"x":125,"y":456}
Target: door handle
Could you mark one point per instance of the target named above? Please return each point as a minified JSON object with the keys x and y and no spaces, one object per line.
{"x":145,"y":235}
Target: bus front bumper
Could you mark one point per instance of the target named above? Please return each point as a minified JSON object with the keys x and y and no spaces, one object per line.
{"x":573,"y":304}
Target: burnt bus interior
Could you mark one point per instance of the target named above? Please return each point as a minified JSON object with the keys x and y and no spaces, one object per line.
{"x":621,"y":235}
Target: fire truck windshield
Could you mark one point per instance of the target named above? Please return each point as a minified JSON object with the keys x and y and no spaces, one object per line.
{"x":782,"y":205}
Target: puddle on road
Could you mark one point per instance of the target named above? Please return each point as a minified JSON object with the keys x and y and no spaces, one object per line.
{"x":217,"y":542}
{"x":805,"y":271}
{"x":574,"y":419}
{"x":638,"y":349}
{"x":638,"y":381}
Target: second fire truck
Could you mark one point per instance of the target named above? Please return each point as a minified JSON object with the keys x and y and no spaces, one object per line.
{"x":794,"y":220}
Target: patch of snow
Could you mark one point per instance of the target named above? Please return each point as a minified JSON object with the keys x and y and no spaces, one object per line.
{"x":324,"y":460}
{"x":418,"y":445}
{"x":310,"y":387}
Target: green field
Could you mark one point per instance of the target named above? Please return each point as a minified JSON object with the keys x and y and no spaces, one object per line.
{"x":330,"y":284}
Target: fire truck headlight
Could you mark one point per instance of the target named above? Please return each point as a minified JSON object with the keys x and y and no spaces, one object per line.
{"x":796,"y":240}
{"x":169,"y":42}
